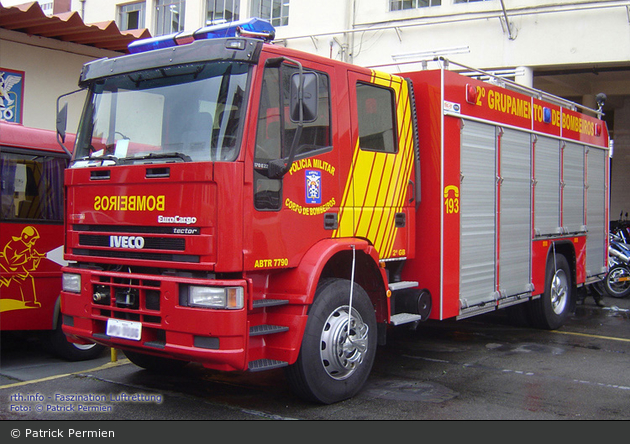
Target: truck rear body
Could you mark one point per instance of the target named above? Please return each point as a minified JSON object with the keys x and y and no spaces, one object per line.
{"x":505,"y":179}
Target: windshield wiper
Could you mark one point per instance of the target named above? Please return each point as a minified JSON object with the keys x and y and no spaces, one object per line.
{"x":153,"y":156}
{"x":101,"y":159}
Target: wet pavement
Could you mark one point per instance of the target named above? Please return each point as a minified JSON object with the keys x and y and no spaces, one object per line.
{"x":481,"y":368}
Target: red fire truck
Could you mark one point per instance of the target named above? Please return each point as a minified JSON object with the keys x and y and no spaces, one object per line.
{"x":31,"y":237}
{"x":246,"y":206}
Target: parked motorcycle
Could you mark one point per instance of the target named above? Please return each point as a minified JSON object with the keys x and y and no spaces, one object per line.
{"x":617,"y":281}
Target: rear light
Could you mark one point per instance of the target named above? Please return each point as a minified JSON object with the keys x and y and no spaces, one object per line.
{"x":471,"y":94}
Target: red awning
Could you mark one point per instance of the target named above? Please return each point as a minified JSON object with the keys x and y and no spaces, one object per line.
{"x":68,"y":27}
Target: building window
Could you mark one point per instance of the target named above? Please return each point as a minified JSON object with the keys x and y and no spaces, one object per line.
{"x":47,"y":7}
{"x":276,"y":11}
{"x":398,"y":5}
{"x":131,"y":16}
{"x":170,"y":16}
{"x":221,"y":11}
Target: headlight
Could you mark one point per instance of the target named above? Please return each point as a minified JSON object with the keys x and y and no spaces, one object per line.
{"x":215,"y":297}
{"x":71,"y":282}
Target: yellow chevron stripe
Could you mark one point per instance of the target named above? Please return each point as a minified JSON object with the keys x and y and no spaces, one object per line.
{"x":377,"y":182}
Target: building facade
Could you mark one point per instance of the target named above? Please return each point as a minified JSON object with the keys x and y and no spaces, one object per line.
{"x":573,"y":49}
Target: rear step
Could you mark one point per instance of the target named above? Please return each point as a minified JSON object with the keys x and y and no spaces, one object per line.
{"x":258,"y":330}
{"x":404,"y":318}
{"x":265,"y":364}
{"x":393,"y":286}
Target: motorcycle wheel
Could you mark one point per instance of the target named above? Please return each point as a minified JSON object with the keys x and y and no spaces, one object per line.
{"x":617,"y":281}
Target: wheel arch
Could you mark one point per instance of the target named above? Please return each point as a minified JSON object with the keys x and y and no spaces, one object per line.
{"x":330,"y":258}
{"x":367,"y":273}
{"x":567,"y":249}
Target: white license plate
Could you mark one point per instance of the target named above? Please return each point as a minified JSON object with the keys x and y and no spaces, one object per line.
{"x":124,"y":329}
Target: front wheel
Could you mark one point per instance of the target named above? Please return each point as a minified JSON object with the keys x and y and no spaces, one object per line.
{"x":617,"y":281}
{"x":60,"y":346}
{"x":338,"y":347}
{"x":552,"y":309}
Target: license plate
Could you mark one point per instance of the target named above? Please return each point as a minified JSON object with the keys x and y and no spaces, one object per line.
{"x":124,"y":329}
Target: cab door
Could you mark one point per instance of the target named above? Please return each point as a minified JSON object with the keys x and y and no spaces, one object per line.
{"x":290,"y":210}
{"x":379,"y":197}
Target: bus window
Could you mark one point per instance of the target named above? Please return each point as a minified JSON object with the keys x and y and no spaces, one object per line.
{"x":32,"y":187}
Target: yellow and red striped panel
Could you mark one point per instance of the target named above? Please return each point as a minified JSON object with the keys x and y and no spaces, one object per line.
{"x":377,"y":182}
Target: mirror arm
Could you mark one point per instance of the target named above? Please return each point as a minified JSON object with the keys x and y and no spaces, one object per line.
{"x":279,"y":167}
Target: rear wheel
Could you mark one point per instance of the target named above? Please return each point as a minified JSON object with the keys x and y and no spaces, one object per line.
{"x":552,"y":309}
{"x":617,"y":281}
{"x":338,"y":347}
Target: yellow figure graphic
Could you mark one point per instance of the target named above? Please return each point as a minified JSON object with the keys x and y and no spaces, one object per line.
{"x":19,"y":258}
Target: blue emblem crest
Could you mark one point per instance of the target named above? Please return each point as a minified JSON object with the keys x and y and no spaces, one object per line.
{"x":313,"y":187}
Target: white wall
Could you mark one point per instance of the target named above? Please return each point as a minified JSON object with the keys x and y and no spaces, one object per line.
{"x":544,"y":36}
{"x":51,"y":68}
{"x":547,"y":33}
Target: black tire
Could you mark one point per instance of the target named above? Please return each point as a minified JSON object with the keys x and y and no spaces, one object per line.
{"x":552,"y":309}
{"x":155,"y":364}
{"x":324,"y":371}
{"x":59,"y":346}
{"x":617,"y":281}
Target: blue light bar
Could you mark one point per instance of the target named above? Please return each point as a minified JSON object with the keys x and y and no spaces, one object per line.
{"x":253,"y":27}
{"x":163,"y":41}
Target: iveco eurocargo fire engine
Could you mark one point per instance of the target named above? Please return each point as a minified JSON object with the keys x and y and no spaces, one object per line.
{"x":246,"y":206}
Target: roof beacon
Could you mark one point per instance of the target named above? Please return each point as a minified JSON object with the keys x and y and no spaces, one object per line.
{"x":253,"y":27}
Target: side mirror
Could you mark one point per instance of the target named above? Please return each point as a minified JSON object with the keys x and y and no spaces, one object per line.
{"x":309,"y":97}
{"x":62,"y":121}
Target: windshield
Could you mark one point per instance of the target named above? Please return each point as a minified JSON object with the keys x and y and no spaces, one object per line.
{"x":189,"y":112}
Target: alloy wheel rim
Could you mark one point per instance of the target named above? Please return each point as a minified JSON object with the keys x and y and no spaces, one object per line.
{"x":559,"y":291}
{"x":342,"y":349}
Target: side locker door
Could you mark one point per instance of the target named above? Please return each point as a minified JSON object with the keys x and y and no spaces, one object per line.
{"x":596,"y":256}
{"x":478,"y":214}
{"x":514,"y":212}
{"x":378,"y":198}
{"x":573,"y":188}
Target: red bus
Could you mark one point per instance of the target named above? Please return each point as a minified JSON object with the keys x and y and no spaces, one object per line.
{"x":31,"y":236}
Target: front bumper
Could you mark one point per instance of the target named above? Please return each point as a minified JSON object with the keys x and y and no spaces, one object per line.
{"x":216,"y":338}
